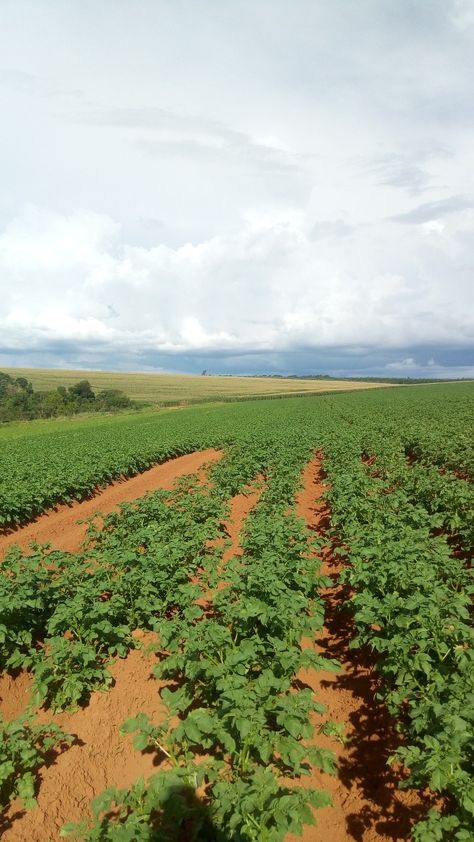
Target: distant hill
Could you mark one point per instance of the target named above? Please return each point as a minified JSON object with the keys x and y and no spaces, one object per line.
{"x":172,"y":389}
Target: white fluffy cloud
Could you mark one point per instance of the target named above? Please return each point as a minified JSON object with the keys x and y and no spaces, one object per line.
{"x":269,"y":285}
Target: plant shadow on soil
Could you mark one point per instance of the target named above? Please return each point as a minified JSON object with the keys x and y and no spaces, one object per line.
{"x":184,"y":818}
{"x":174,"y":825}
{"x":391,"y":812}
{"x":8,"y":820}
{"x":363,"y":765}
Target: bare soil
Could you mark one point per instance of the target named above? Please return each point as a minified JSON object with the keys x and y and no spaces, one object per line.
{"x":367,"y":804}
{"x":100,"y":756}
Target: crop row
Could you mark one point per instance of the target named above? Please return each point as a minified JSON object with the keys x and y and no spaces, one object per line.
{"x":412,"y":598}
{"x":64,"y":616}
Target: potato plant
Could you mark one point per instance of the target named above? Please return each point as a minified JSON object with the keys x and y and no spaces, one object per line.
{"x":241,"y":732}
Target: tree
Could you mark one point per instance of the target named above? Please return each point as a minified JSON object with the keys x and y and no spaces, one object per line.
{"x":82,"y":392}
{"x":113,"y":399}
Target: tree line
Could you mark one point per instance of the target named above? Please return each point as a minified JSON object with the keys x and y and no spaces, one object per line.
{"x":20,"y":402}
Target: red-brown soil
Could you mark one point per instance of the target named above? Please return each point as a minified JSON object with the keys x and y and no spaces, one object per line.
{"x":100,"y":757}
{"x":59,"y":525}
{"x":367,"y":804}
{"x":240,"y":507}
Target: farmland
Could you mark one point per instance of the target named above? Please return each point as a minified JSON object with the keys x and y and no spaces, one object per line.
{"x":170,"y":389}
{"x":327,"y":544}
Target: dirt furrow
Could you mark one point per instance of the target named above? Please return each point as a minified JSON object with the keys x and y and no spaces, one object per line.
{"x":60,"y":525}
{"x":367,"y":804}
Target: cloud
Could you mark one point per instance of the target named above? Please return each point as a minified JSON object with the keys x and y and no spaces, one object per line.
{"x":163,"y":132}
{"x":330,"y":228}
{"x":397,"y":171}
{"x":410,"y":367}
{"x":290,"y":189}
{"x":33,"y":84}
{"x":433,"y":210}
{"x":270,"y":286}
{"x":409,"y":170}
{"x":398,"y":365}
{"x":462,"y":14}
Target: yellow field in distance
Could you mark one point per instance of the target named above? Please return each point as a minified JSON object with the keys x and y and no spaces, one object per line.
{"x":176,"y":388}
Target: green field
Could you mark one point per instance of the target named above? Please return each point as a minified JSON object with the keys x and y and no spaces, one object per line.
{"x":163,"y":389}
{"x":237,"y":724}
{"x":47,"y":461}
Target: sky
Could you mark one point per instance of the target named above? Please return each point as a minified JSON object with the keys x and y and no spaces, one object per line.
{"x":241,"y":186}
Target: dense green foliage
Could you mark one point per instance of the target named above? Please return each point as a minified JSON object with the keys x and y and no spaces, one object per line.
{"x":63,"y":616}
{"x":39,"y":467}
{"x":399,"y":465}
{"x":233,"y":655}
{"x":408,"y":528}
{"x":235,"y":660}
{"x":19,"y":401}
